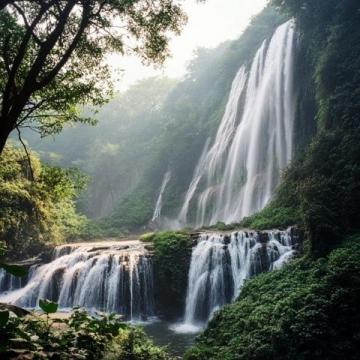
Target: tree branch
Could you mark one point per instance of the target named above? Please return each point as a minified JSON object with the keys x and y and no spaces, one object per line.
{"x":30,"y":111}
{"x":29,"y":85}
{"x":28,"y":26}
{"x":27,"y":153}
{"x":51,"y":75}
{"x":18,"y":59}
{"x":6,"y":54}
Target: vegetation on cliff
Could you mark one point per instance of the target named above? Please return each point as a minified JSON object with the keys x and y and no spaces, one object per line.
{"x":36,"y":203}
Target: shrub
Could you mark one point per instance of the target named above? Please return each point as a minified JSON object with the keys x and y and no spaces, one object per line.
{"x":148,"y":237}
{"x":133,"y":344}
{"x":81,"y":336}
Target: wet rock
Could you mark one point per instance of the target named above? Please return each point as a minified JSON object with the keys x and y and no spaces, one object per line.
{"x":263,"y":237}
{"x":15,"y":309}
{"x":227,"y":239}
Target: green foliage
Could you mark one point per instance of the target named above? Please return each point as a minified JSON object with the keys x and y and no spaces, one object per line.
{"x":307,"y":310}
{"x":36,"y":211}
{"x":133,"y":344}
{"x":48,"y":306}
{"x":54,"y":55}
{"x":271,"y":217}
{"x":100,"y":229}
{"x":4,"y":318}
{"x":79,"y":337}
{"x":133,"y":212}
{"x":171,"y":259}
{"x":148,"y":237}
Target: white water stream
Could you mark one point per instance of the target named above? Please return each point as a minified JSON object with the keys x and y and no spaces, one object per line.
{"x":158,"y":206}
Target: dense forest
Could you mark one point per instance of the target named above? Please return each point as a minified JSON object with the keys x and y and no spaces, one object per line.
{"x":281,"y":282}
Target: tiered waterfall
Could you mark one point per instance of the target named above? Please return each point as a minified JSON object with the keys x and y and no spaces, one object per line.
{"x":109,"y":277}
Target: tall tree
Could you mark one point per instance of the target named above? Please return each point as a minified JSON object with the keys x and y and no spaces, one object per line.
{"x":53,"y":54}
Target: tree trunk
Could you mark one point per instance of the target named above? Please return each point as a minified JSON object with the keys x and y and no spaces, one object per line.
{"x":4,"y":133}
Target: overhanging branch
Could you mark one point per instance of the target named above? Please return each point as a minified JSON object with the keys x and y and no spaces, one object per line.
{"x":26,"y":152}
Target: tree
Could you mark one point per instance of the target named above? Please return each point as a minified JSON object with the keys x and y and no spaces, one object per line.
{"x":53,"y":54}
{"x":39,"y":209}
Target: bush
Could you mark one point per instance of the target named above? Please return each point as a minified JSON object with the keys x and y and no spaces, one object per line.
{"x":133,"y":344}
{"x":272,"y":217}
{"x":80,"y":337}
{"x":148,"y":237}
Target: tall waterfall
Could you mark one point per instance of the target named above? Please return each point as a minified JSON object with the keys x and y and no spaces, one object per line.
{"x":237,"y":175}
{"x":221,"y":263}
{"x":158,"y":206}
{"x":109,"y":277}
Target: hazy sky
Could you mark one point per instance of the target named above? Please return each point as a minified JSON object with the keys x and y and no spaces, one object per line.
{"x":209,"y":24}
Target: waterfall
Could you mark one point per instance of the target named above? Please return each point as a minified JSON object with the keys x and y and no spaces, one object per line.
{"x":111,"y":277}
{"x":158,"y":206}
{"x":221,"y":263}
{"x":237,"y":175}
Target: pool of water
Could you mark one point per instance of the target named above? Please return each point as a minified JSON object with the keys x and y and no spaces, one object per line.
{"x":163,"y":334}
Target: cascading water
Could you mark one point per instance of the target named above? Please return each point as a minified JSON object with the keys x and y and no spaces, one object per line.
{"x":158,"y":206}
{"x":237,"y":175}
{"x":108,"y":277}
{"x":221,"y":263}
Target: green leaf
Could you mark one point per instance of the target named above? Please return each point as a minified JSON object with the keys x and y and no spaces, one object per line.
{"x":48,"y":306}
{"x":18,"y":271}
{"x":4,"y":318}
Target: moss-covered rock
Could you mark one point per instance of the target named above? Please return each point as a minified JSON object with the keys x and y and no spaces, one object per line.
{"x":172,"y":254}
